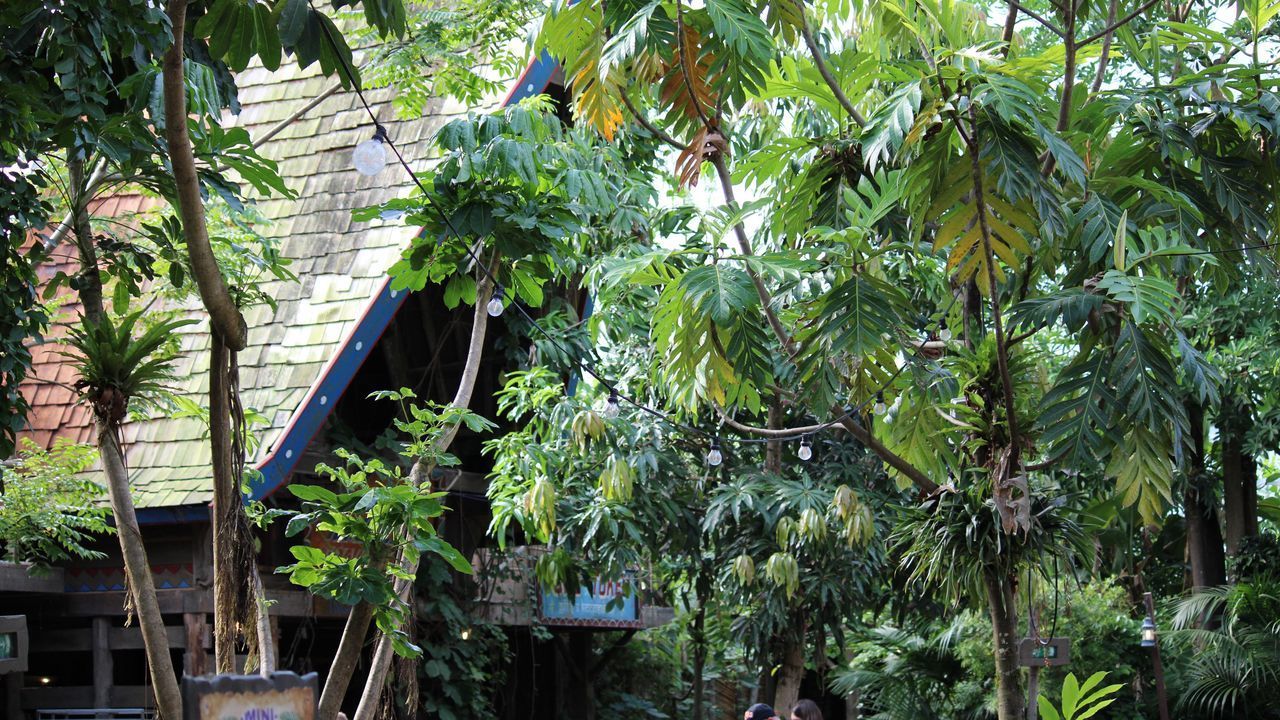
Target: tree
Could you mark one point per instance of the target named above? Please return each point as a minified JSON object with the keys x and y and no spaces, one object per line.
{"x":975,"y":183}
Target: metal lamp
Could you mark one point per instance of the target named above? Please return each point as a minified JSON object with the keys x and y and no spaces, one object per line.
{"x":1148,"y":632}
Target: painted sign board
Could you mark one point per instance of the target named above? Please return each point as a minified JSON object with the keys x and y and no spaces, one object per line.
{"x":283,"y":696}
{"x":602,"y":604}
{"x":13,"y":643}
{"x":1045,"y":652}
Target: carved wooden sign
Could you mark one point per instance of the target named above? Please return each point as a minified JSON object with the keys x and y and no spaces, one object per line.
{"x":283,"y":696}
{"x":1045,"y":652}
{"x":13,"y":643}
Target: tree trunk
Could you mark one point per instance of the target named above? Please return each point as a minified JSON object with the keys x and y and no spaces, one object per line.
{"x":1239,"y":480}
{"x":1010,"y":703}
{"x":699,"y":639}
{"x":239,"y":606}
{"x":345,"y":661}
{"x":1204,"y":536}
{"x":142,"y":589}
{"x":789,"y":676}
{"x":420,"y":473}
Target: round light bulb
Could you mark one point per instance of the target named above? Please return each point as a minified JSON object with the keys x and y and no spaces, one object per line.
{"x":880,"y":408}
{"x":944,"y":333}
{"x":611,"y":406}
{"x":495,"y":305}
{"x":806,"y":449}
{"x":370,"y":156}
{"x":714,"y":456}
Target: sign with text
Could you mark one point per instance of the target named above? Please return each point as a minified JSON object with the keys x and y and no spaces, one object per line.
{"x":602,"y":604}
{"x":283,"y":696}
{"x":1045,"y":652}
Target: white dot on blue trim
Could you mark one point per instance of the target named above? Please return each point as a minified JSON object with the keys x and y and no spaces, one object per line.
{"x":395,"y":293}
{"x":359,"y":345}
{"x":529,"y":87}
{"x":288,"y":454}
{"x":324,"y":399}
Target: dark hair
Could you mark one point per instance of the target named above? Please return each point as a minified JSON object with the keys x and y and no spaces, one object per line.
{"x":807,"y":710}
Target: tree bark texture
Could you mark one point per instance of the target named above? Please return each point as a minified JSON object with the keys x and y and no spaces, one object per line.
{"x":421,"y":473}
{"x":345,"y":660}
{"x":238,"y":606}
{"x":1002,"y":605}
{"x":1239,"y":477}
{"x":142,"y":589}
{"x":1204,"y":535}
{"x":789,"y":676}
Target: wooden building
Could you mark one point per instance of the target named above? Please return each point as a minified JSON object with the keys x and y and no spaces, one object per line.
{"x":334,"y":335}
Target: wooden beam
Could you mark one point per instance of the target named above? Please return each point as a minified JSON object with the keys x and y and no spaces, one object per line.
{"x":85,"y":639}
{"x":288,"y":603}
{"x":197,"y":631}
{"x":103,"y":667}
{"x":81,"y":696}
{"x":16,"y":578}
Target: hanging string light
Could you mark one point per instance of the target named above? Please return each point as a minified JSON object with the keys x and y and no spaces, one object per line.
{"x":611,"y":406}
{"x":880,"y":408}
{"x":714,"y":456}
{"x":944,"y":333}
{"x":370,"y":156}
{"x":495,"y":305}
{"x":806,"y":448}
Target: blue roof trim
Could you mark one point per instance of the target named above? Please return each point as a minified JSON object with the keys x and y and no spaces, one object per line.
{"x":333,"y":383}
{"x":177,"y":515}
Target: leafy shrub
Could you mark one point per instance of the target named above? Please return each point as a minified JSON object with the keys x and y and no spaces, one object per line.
{"x":49,"y":512}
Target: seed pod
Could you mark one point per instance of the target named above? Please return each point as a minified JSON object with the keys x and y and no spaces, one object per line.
{"x":744,"y":568}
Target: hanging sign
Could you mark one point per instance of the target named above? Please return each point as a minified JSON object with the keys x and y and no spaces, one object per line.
{"x":602,"y":604}
{"x":283,"y":696}
{"x":1044,"y":652}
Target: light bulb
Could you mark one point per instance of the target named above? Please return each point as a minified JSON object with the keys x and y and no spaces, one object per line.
{"x":370,"y":156}
{"x":880,"y":408}
{"x":944,"y":333}
{"x":714,"y":457}
{"x":611,"y":406}
{"x":806,"y":449}
{"x":495,"y":305}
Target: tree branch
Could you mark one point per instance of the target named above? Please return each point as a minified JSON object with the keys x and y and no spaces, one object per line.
{"x":1105,"y":56}
{"x":820,"y":62}
{"x":654,"y":130}
{"x":225,"y":316}
{"x":1015,"y":5}
{"x":1002,"y":349}
{"x":420,"y":473}
{"x":1112,"y":27}
{"x":683,"y":54}
{"x":744,"y":245}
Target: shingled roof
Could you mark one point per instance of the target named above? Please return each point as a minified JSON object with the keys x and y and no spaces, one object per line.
{"x":302,"y":354}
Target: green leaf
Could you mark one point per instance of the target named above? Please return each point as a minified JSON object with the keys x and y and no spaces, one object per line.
{"x":1047,"y":711}
{"x":719,"y":292}
{"x":314,"y":493}
{"x":741,"y":29}
{"x":889,"y":125}
{"x":293,"y":21}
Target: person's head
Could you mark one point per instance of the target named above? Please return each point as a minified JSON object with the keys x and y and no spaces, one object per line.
{"x":806,"y":710}
{"x":760,"y":711}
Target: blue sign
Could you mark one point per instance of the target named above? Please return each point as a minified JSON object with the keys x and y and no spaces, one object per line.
{"x":603,"y":604}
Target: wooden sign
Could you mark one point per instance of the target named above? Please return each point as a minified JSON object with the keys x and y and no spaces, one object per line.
{"x":283,"y":696}
{"x":1045,"y":652}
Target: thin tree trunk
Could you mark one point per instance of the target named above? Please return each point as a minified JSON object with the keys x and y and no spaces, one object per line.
{"x":345,"y":660}
{"x":421,"y":473}
{"x":1204,"y":536}
{"x":142,"y":589}
{"x":1010,"y":704}
{"x":790,"y":675}
{"x":1235,"y":475}
{"x":239,"y":606}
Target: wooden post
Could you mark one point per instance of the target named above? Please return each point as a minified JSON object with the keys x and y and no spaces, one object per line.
{"x":194,"y":660}
{"x":13,"y":694}
{"x":1033,"y":692}
{"x":1162,"y":696}
{"x":103,"y":666}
